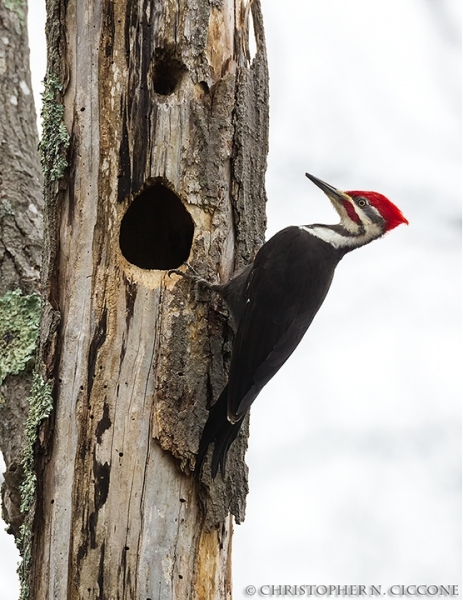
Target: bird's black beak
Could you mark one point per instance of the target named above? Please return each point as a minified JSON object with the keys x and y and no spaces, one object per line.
{"x":326,"y":187}
{"x":337,"y":197}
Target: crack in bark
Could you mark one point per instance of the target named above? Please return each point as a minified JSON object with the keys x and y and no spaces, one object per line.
{"x":159,"y":357}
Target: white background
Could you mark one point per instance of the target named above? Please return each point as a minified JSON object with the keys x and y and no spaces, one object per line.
{"x":354,"y":452}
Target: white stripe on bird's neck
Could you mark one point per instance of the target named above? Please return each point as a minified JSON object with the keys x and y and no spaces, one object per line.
{"x":349,"y":240}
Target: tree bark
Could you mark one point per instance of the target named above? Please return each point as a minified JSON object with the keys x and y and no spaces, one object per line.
{"x":21,"y":205}
{"x":168,"y":125}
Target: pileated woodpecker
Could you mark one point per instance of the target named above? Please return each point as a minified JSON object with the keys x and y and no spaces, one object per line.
{"x":274,"y":300}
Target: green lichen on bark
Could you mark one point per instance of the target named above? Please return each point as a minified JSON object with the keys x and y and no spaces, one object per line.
{"x":55,"y":137}
{"x":6,"y":210}
{"x":19,"y":327}
{"x":18,"y":6}
{"x":40,"y":407}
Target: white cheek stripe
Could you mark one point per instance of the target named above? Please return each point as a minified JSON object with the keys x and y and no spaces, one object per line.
{"x":337,"y":240}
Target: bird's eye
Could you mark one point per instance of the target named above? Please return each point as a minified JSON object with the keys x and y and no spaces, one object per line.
{"x":362,"y":202}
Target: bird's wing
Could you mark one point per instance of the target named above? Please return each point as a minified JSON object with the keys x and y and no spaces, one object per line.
{"x":286,"y":286}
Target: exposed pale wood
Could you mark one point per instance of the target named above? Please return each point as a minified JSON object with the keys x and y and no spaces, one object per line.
{"x":138,"y":355}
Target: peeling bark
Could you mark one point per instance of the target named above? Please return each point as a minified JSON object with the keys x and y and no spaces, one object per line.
{"x":161,"y":103}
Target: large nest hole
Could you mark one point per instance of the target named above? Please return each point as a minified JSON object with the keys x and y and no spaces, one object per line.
{"x":157,"y":230}
{"x":168,"y":72}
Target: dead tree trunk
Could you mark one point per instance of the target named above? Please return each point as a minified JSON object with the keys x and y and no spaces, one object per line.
{"x":167,"y":119}
{"x":21,"y":206}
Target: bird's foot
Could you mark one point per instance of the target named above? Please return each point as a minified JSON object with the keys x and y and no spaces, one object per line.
{"x":192,"y":276}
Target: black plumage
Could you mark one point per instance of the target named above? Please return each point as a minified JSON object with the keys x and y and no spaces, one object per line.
{"x":273,"y":304}
{"x":274,"y":300}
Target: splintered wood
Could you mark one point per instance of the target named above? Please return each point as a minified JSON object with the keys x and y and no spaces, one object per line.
{"x":155,"y":94}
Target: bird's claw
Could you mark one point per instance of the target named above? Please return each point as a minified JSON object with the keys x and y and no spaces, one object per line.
{"x":175,"y":272}
{"x":192,"y":276}
{"x":194,"y":272}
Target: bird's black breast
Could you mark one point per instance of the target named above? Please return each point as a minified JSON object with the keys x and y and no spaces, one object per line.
{"x":286,"y":286}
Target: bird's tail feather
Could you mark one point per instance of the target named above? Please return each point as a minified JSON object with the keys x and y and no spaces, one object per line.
{"x":219,"y":430}
{"x":221,"y":446}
